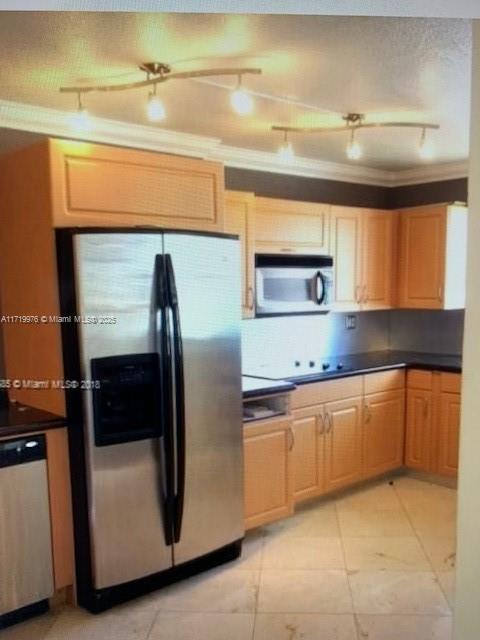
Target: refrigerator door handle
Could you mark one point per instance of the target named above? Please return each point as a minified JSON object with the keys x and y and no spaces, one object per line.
{"x":166,"y":444}
{"x":179,"y":410}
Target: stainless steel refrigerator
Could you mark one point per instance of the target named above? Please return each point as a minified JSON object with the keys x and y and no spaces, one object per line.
{"x":151,"y":334}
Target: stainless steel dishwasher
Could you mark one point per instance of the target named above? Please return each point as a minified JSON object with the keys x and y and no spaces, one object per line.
{"x":26,"y":570}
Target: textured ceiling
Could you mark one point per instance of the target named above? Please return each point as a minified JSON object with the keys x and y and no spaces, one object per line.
{"x":388,"y":68}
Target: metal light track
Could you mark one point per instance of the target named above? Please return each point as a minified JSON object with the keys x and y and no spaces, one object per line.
{"x":349,"y":127}
{"x":161,"y":73}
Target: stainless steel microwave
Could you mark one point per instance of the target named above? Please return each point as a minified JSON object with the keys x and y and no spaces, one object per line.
{"x":293,"y":284}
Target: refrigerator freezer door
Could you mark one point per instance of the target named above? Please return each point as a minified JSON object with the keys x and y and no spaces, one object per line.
{"x":115,"y":277}
{"x":207,"y":278}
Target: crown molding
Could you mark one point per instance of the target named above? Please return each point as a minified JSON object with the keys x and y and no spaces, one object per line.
{"x":57,"y":123}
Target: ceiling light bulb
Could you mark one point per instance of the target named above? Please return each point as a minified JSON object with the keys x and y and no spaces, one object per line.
{"x":354,"y":150}
{"x":241,"y":100}
{"x":81,"y":120}
{"x":286,"y":152}
{"x":155,"y":109}
{"x":425,"y":148}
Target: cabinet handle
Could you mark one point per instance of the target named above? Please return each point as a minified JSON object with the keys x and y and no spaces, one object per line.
{"x":321,"y":429}
{"x":329,"y":422}
{"x":440,"y":293}
{"x":357,"y":294}
{"x":368,"y":413}
{"x":425,"y":408}
{"x":250,"y":298}
{"x":291,"y":437}
{"x":286,"y":250}
{"x":365,"y":294}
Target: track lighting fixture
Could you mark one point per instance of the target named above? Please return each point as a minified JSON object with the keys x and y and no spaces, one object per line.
{"x":158,"y":72}
{"x":241,"y":100}
{"x":425,"y":148}
{"x":285,"y":151}
{"x":81,"y":119}
{"x":355,"y":121}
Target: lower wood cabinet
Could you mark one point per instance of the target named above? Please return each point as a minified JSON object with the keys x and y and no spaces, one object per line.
{"x":383,"y":433}
{"x":433,"y":421}
{"x":268,"y":446}
{"x":343,"y":443}
{"x":308,"y":453}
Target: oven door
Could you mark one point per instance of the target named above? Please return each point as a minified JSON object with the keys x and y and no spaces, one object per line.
{"x":290,"y":290}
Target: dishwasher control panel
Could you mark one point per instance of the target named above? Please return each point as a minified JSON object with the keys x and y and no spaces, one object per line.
{"x":22,"y":450}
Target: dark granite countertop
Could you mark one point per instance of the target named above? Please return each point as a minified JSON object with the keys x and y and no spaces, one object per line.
{"x":254,"y":387}
{"x":16,"y":419}
{"x":370,"y":362}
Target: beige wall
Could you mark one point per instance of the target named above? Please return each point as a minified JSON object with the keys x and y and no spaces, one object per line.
{"x":467,"y":613}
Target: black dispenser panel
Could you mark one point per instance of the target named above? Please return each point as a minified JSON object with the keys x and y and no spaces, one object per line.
{"x":127,"y":404}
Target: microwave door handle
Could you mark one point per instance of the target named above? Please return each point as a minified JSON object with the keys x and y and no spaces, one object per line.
{"x":320,"y":288}
{"x":166,"y":443}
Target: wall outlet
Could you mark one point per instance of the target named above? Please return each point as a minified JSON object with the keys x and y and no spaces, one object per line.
{"x":350,"y":322}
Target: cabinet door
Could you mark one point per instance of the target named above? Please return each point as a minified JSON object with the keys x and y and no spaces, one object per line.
{"x":418,"y":429}
{"x":383,"y":432}
{"x":290,"y":226}
{"x":449,"y":431}
{"x":268,"y":471}
{"x":345,"y":246}
{"x":308,"y":455}
{"x":378,"y":259}
{"x":239,"y":220}
{"x":343,"y":443}
{"x":95,"y":184}
{"x":422,"y":257}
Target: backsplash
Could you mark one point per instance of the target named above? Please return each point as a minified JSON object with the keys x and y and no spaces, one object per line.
{"x":280,"y":341}
{"x":429,"y":331}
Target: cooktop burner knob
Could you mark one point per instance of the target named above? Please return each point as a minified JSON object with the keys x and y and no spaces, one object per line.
{"x":297,"y":363}
{"x":311,"y":363}
{"x":326,"y":366}
{"x":340,"y":366}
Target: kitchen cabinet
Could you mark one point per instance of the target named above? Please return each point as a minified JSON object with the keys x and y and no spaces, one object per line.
{"x":308,"y":452}
{"x":343,"y":443}
{"x":432,"y":257}
{"x":268,"y":472}
{"x":240,"y":220}
{"x":433,"y":421}
{"x":94,"y":185}
{"x":291,"y":226}
{"x":362,"y":242}
{"x":384,"y":420}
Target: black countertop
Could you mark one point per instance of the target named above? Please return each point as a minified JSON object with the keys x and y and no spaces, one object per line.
{"x":370,"y":362}
{"x":254,"y":387}
{"x":16,"y":419}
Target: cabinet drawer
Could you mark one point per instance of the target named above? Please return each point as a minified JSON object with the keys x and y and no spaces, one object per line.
{"x":326,"y":391}
{"x":384,"y":381}
{"x":451,"y":382}
{"x":419,"y":379}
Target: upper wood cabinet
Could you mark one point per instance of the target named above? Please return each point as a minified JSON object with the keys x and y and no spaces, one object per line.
{"x":101,"y":185}
{"x":432,"y":257}
{"x":240,"y":220}
{"x":291,"y":226}
{"x":362,"y":242}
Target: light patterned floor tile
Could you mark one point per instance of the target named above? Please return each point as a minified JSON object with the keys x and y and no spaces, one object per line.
{"x":397,"y":592}
{"x":295,"y":591}
{"x":441,"y":552}
{"x":252,"y":550}
{"x":304,"y":626}
{"x":404,"y":627}
{"x":220,"y":590}
{"x":446,"y":580}
{"x":202,"y":626}
{"x":433,"y":519}
{"x":34,"y":629}
{"x":303,"y":553}
{"x":377,"y":496}
{"x":394,"y":554}
{"x":374,"y":523}
{"x":129,"y":622}
{"x":308,"y":522}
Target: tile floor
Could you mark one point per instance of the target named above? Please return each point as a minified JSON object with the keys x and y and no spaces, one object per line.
{"x":376,"y":563}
